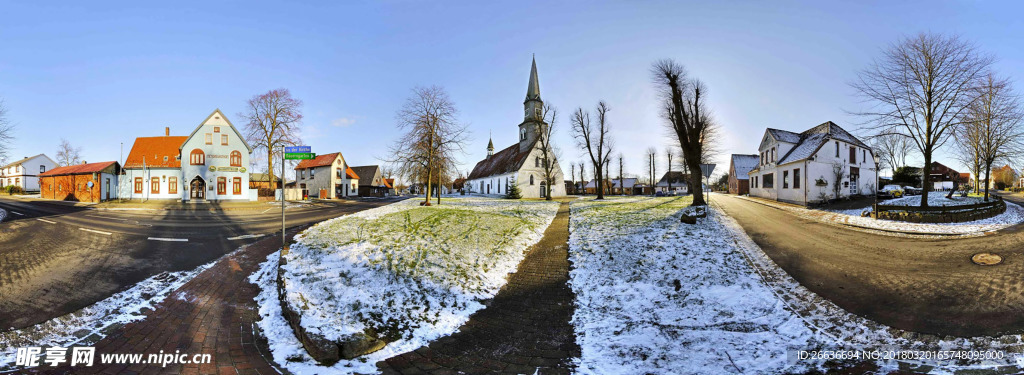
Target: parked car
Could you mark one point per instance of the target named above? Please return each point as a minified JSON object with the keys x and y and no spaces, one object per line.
{"x":659,"y":194}
{"x":910,"y":190}
{"x":891,"y":191}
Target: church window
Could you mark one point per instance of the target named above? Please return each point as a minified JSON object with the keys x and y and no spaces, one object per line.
{"x":531,"y":179}
{"x":536,"y":162}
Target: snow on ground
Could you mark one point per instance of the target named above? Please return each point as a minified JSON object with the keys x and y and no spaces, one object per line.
{"x":1014,"y":215}
{"x":732,"y":311}
{"x":91,"y":324}
{"x":658,"y":296}
{"x":412,"y":273}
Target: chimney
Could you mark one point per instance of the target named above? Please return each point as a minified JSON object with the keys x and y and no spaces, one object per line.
{"x":167,"y":131}
{"x":84,"y":162}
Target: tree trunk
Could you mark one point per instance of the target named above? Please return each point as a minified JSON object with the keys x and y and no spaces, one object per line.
{"x":926,"y":178}
{"x":693,"y":164}
{"x":270,"y":168}
{"x":988,"y":179}
{"x":599,"y":182}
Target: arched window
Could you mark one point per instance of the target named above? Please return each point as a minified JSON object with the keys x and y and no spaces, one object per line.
{"x":531,"y":179}
{"x":236,"y":159}
{"x":197,"y":157}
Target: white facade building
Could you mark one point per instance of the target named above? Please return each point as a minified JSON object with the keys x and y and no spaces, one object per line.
{"x":802,"y":167}
{"x":25,"y":172}
{"x":522,"y":163}
{"x":327,"y":176}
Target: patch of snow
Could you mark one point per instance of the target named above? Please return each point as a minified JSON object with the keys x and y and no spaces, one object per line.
{"x":733,"y":310}
{"x":1014,"y":215}
{"x":415,"y":273}
{"x":91,"y":324}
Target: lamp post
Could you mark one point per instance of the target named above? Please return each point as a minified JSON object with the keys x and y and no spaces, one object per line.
{"x":877,"y":179}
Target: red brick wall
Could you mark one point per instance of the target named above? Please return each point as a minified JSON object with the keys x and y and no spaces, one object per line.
{"x":71,"y":188}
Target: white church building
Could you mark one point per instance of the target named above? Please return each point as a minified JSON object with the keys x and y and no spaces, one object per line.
{"x":801,"y":167}
{"x":521,"y":163}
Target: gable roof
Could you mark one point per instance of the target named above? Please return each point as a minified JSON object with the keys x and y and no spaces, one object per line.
{"x":743,"y":164}
{"x":677,"y":177}
{"x":784,"y":135}
{"x":812,"y":139}
{"x":389,"y":183}
{"x":368,"y":172}
{"x":505,"y":161}
{"x":318,"y":161}
{"x":79,"y":169}
{"x":262,"y":177}
{"x":27,"y":159}
{"x":351,"y":174}
{"x":628,"y":182}
{"x":153,"y":150}
{"x":225,"y":118}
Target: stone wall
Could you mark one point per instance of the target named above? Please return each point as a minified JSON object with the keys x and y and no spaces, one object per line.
{"x":940,"y":214}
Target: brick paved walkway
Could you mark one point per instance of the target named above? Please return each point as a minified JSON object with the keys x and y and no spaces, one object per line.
{"x":525,"y":328}
{"x":214,"y":313}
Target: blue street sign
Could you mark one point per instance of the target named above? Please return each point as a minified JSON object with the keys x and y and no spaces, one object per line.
{"x":298,"y":149}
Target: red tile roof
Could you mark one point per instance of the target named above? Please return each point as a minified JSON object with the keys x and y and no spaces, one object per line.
{"x":319,"y":161}
{"x":78,"y":169}
{"x":351,"y":174}
{"x":389,"y":183}
{"x":153,"y":150}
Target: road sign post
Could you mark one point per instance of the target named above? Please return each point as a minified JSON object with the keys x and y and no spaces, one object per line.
{"x":706,"y":170}
{"x":291,"y":153}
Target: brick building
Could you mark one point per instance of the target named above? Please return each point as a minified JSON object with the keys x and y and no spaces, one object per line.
{"x":93,"y":182}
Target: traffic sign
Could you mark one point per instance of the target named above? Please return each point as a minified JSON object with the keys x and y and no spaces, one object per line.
{"x":707,"y":169}
{"x":299,"y":155}
{"x":297,"y":149}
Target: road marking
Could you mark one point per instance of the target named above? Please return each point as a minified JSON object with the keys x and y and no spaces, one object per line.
{"x":95,"y":231}
{"x":47,"y":221}
{"x":168,"y":239}
{"x":242,"y":237}
{"x":18,"y":213}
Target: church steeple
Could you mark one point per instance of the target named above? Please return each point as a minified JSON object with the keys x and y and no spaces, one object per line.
{"x":533,"y":111}
{"x":490,"y":147}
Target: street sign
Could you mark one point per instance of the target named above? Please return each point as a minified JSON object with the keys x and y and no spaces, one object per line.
{"x":299,"y":156}
{"x":297,"y":149}
{"x":706,"y":169}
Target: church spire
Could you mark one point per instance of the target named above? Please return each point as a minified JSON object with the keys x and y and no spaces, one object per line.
{"x":490,"y":147}
{"x":533,"y":90}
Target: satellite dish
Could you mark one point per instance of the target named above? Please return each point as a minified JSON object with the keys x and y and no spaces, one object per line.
{"x":89,"y":184}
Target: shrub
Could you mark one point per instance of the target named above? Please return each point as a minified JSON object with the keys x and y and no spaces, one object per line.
{"x":15,"y":189}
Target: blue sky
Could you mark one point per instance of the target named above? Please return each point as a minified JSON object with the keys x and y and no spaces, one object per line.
{"x":102,"y":74}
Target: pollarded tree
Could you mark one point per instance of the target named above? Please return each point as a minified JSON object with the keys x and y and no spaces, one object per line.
{"x":548,"y":152}
{"x":433,"y":136}
{"x":921,"y":88}
{"x":595,"y":140}
{"x":688,"y":118}
{"x":272,"y":122}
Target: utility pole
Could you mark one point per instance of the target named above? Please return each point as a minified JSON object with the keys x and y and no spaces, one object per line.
{"x":283,"y":242}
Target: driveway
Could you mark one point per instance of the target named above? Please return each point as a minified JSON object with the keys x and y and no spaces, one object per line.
{"x":915,"y":284}
{"x":57,"y":259}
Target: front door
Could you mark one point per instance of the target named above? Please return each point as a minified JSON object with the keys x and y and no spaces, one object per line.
{"x":197,"y":189}
{"x":854,"y":178}
{"x":543,"y":190}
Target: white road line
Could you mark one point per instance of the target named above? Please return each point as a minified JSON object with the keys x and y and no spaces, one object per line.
{"x":242,"y":237}
{"x":18,"y":213}
{"x":95,"y":231}
{"x":47,"y":221}
{"x":168,"y":239}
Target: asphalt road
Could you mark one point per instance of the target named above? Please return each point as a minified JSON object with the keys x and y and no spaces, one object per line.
{"x":915,"y":284}
{"x":57,"y":259}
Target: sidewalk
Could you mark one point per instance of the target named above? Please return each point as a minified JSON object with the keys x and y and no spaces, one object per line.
{"x":525,"y":329}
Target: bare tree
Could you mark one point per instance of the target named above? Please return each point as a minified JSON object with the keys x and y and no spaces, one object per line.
{"x":994,"y":123}
{"x":892,"y":149}
{"x":668,"y":175}
{"x":688,"y":117}
{"x":622,"y":187}
{"x":838,"y":173}
{"x":572,"y":176}
{"x":67,"y":154}
{"x":652,"y":167}
{"x":548,"y":153}
{"x":597,"y":141}
{"x":583,"y":177}
{"x":969,"y":151}
{"x":272,"y":122}
{"x":433,"y":135}
{"x":921,"y":88}
{"x":6,"y":133}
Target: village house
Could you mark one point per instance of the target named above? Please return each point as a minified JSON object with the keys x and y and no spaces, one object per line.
{"x":262,"y":181}
{"x":522,"y":163}
{"x":802,"y":167}
{"x":627,"y":186}
{"x":216,"y":167}
{"x":739,"y":167}
{"x":674,"y":182}
{"x":371,"y":181}
{"x":25,"y":173}
{"x":92,"y":182}
{"x":327,"y":177}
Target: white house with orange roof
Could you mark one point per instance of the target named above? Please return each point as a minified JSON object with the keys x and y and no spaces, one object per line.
{"x":327,"y":176}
